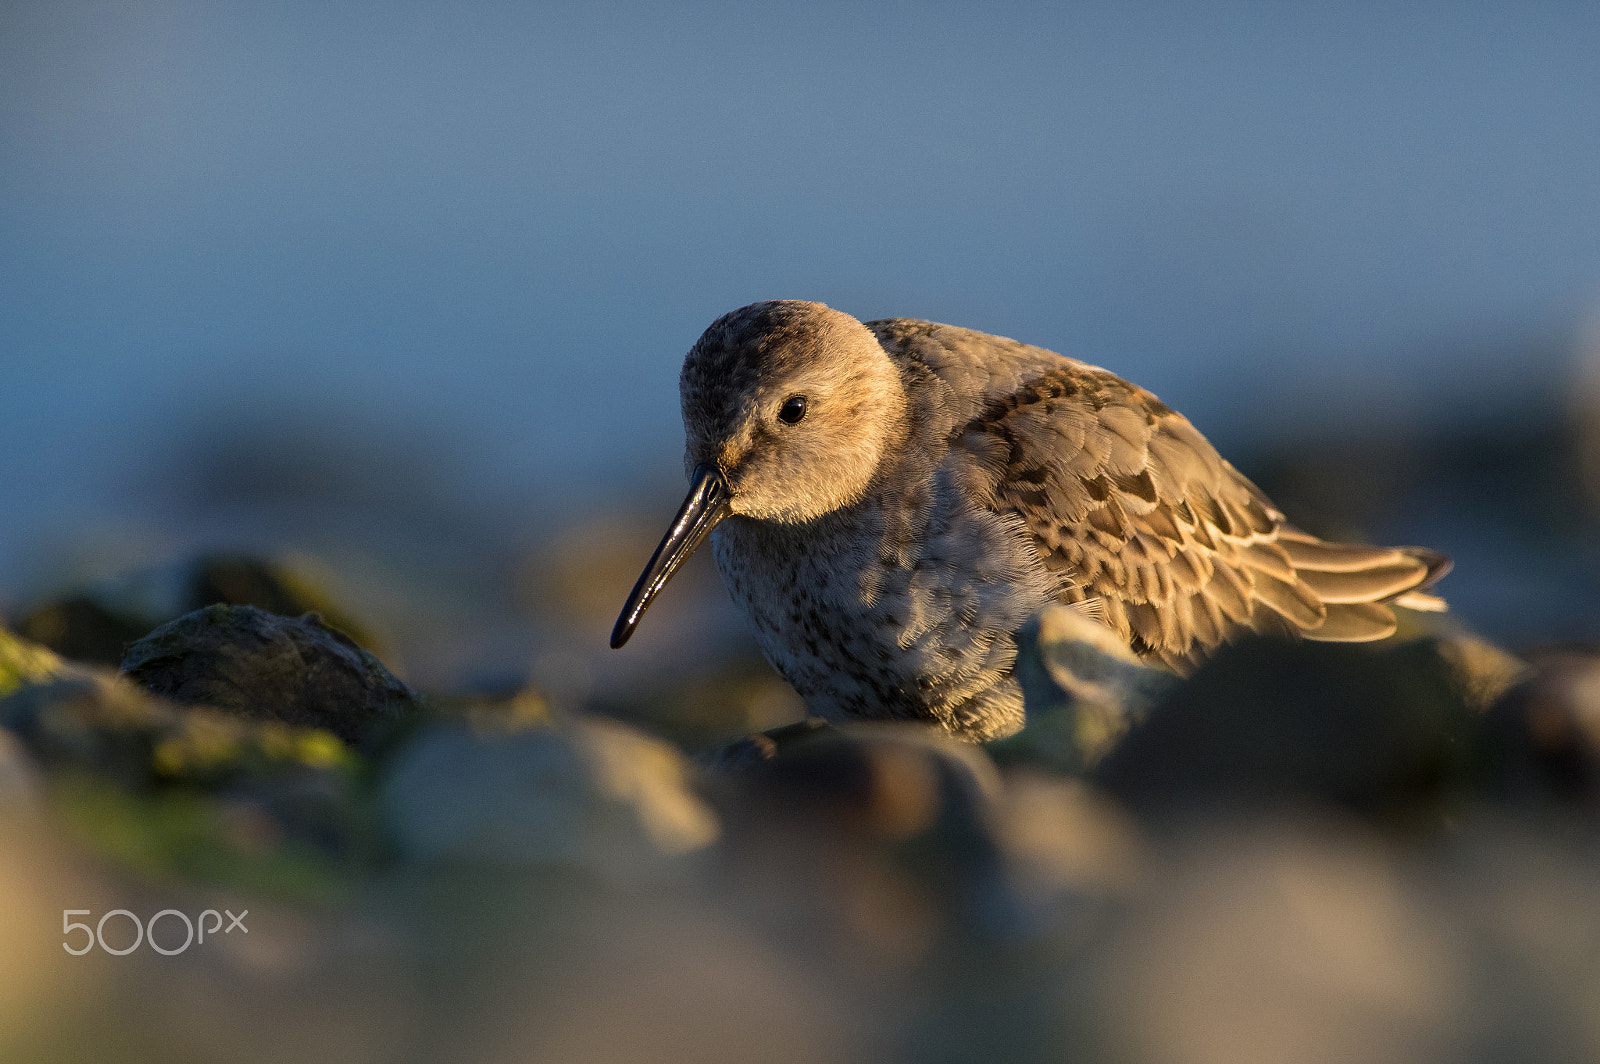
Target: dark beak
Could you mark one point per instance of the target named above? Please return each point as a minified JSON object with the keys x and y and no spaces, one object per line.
{"x":706,"y":505}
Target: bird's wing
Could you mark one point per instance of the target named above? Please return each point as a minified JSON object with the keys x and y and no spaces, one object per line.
{"x":1152,"y":529}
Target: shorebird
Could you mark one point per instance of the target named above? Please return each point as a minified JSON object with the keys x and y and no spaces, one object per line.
{"x":892,"y":500}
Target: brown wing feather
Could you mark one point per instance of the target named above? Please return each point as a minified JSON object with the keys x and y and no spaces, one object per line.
{"x":1138,"y":511}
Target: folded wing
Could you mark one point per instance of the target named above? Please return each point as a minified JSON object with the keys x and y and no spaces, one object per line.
{"x":1154,"y":532}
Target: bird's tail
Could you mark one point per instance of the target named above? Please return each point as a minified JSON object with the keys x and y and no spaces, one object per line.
{"x":1359,"y":584}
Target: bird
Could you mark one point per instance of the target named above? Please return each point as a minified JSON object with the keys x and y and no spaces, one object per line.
{"x":890,"y":501}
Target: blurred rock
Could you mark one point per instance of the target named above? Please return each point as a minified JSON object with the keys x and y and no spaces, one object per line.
{"x":1545,"y":733}
{"x":1383,"y":731}
{"x":19,"y":780}
{"x":83,"y":629}
{"x":97,"y":623}
{"x":583,"y":792}
{"x":1061,"y":837}
{"x":94,"y":721}
{"x":1083,"y":689}
{"x":870,"y":842}
{"x":662,"y":981}
{"x":259,"y":665}
{"x":1282,"y":938}
{"x":1265,"y":942}
{"x":243,"y":580}
{"x":1526,"y":907}
{"x":187,"y":792}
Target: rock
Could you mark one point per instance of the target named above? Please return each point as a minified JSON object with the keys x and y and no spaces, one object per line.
{"x":19,"y":780}
{"x":184,"y":790}
{"x":1545,"y":733}
{"x":89,"y":720}
{"x":94,"y":721}
{"x":1383,"y":731}
{"x":874,"y":780}
{"x":99,"y":620}
{"x":83,"y":629}
{"x":243,"y":580}
{"x":584,"y":792}
{"x":1280,"y":940}
{"x":245,"y":661}
{"x":871,"y":843}
{"x":1083,"y":688}
{"x":1061,"y":837}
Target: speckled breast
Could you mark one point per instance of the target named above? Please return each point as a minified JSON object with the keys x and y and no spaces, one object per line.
{"x":892,"y":618}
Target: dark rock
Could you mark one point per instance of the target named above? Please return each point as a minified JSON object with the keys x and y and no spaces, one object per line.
{"x":872,"y":843}
{"x":246,"y":661}
{"x":83,"y":629}
{"x":1545,"y":733}
{"x":240,"y":580}
{"x":243,"y":580}
{"x":1383,"y":731}
{"x":883,"y":781}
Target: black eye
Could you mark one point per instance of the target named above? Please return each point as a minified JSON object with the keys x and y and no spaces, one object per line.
{"x":793,"y":409}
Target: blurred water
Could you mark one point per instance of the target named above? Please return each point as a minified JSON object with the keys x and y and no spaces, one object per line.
{"x":495,"y":228}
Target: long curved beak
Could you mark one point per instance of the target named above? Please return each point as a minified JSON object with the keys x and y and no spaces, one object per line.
{"x":706,"y":505}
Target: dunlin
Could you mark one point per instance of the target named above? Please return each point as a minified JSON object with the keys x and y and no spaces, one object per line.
{"x":893,"y":500}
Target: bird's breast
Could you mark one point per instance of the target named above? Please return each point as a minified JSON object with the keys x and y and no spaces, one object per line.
{"x":900,"y":608}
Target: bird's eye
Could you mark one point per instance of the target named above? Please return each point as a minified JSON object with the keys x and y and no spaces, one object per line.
{"x":793,"y":409}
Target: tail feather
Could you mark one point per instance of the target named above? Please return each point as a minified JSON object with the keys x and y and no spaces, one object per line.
{"x":1355,"y":622}
{"x":1377,"y":584}
{"x":1354,"y":586}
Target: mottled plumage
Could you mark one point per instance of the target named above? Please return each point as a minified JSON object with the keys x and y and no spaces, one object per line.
{"x":943,"y":485}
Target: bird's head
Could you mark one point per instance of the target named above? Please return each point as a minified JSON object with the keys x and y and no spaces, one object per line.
{"x":794,"y":405}
{"x":789,"y":411}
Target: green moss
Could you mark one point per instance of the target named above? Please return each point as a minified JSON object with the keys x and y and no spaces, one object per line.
{"x":22,"y":663}
{"x":184,"y":836}
{"x":205,"y":745}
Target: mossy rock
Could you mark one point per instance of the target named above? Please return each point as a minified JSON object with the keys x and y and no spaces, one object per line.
{"x":258,"y":665}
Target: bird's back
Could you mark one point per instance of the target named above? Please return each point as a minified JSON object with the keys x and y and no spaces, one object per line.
{"x":1144,"y":525}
